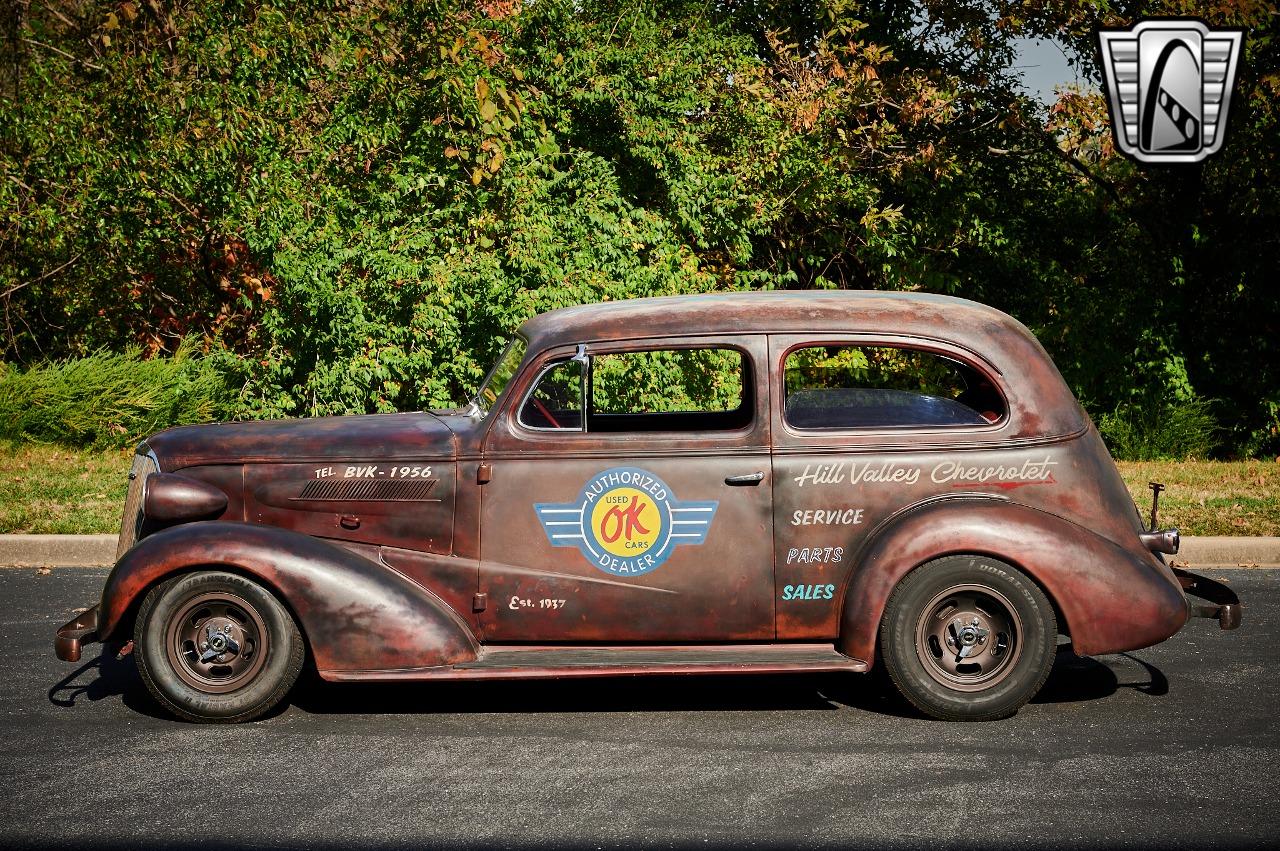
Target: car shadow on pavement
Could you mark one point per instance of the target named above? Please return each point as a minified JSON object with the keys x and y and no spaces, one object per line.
{"x":650,"y":693}
{"x":1072,"y":679}
{"x":106,"y":675}
{"x":1079,"y":678}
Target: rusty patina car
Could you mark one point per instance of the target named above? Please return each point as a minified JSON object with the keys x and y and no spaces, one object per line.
{"x":731,"y":483}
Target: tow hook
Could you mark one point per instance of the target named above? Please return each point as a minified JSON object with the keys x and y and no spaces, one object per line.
{"x":1222,"y":603}
{"x":125,"y":649}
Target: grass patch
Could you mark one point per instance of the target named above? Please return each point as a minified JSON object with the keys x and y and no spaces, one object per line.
{"x":1210,"y":497}
{"x":50,"y":490}
{"x":46,"y":489}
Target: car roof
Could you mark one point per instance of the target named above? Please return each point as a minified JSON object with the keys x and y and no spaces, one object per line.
{"x":1041,"y":404}
{"x":779,"y":311}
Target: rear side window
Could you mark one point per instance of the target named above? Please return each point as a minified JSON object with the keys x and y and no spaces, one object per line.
{"x":839,"y":387}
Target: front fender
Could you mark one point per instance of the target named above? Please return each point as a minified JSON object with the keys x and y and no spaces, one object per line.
{"x":357,"y":615}
{"x":1111,"y":598}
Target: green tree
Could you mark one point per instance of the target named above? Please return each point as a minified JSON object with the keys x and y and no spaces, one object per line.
{"x":353,"y":204}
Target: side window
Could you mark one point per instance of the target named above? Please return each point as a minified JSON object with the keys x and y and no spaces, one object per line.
{"x":667,"y":381}
{"x":883,"y":387}
{"x":556,"y":400}
{"x":654,"y":390}
{"x":704,"y":389}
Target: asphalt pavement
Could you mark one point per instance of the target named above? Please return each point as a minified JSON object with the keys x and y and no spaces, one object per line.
{"x":1173,"y":746}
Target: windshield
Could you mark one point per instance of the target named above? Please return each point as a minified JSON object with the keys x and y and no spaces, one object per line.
{"x":501,"y":374}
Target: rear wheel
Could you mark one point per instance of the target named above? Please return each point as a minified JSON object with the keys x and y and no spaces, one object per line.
{"x":968,"y":638}
{"x":216,"y":647}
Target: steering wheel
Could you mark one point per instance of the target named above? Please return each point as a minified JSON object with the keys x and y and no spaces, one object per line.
{"x":542,"y":409}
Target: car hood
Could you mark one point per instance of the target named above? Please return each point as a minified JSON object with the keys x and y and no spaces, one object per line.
{"x":391,"y":436}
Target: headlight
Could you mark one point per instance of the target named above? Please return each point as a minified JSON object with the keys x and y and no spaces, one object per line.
{"x":168,"y":497}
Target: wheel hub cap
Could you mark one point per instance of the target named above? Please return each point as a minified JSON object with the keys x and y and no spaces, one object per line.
{"x":222,"y":641}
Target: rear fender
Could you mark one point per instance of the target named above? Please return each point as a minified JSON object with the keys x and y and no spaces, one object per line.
{"x":357,"y":614}
{"x":1112,"y":598}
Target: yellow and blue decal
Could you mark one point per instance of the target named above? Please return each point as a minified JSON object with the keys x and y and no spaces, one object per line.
{"x":626,"y":521}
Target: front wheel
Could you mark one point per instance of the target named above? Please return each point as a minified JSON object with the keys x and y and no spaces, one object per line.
{"x":968,"y":638}
{"x":216,"y":647}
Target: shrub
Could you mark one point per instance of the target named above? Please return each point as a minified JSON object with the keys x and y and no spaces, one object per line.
{"x":1161,"y":432}
{"x":110,"y":399}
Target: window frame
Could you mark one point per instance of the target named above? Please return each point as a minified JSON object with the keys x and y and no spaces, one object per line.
{"x":752,"y":347}
{"x":533,"y":387}
{"x":745,"y":381}
{"x":554,"y":362}
{"x":498,"y":401}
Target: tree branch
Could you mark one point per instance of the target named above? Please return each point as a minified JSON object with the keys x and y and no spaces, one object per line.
{"x":85,"y":62}
{"x":49,"y":274}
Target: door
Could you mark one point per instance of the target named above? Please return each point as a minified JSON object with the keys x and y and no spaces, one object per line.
{"x":865,"y":427}
{"x":629,"y":497}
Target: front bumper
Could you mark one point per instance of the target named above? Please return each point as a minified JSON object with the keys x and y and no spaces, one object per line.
{"x":1220,"y":601}
{"x":80,"y":630}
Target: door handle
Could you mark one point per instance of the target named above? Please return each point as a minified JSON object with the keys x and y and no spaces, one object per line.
{"x":745,"y":479}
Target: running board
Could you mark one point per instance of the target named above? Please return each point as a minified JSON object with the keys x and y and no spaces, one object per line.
{"x":528,"y":662}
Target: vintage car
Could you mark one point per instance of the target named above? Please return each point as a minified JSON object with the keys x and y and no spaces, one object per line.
{"x":748,"y":482}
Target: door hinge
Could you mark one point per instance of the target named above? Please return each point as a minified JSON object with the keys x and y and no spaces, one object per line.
{"x":484,"y":473}
{"x":478,"y":602}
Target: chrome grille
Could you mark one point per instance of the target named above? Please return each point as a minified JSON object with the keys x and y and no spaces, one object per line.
{"x":131,"y":522}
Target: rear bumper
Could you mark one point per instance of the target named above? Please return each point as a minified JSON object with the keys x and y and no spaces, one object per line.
{"x":1207,"y":598}
{"x":81,"y":630}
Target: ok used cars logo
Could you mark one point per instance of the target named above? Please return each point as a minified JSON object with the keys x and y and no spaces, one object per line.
{"x":626,"y":521}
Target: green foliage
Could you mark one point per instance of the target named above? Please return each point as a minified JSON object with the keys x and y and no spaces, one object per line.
{"x":109,"y":400}
{"x":354,"y":204}
{"x":704,"y":380}
{"x":360,"y":202}
{"x":1178,"y":431}
{"x":875,"y":367}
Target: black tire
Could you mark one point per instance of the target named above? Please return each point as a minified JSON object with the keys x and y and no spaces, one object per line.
{"x":184,"y":621}
{"x":953,"y":669}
